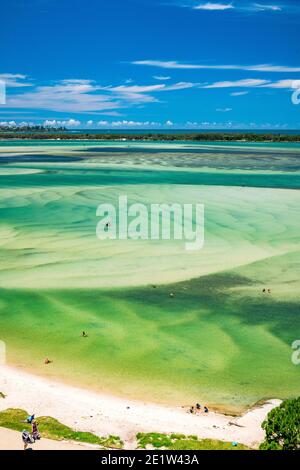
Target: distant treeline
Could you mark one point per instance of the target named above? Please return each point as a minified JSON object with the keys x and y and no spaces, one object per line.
{"x":59,"y":134}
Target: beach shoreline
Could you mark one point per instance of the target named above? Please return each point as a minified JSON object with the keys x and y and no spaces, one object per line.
{"x":106,"y":414}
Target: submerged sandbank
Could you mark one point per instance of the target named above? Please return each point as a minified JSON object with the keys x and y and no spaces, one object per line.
{"x":218,"y":339}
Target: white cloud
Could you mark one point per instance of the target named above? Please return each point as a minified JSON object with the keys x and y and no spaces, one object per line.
{"x":255,"y":83}
{"x":161,"y":77}
{"x":173,"y":64}
{"x":122,"y":124}
{"x":272,"y":68}
{"x":77,"y":81}
{"x":63,"y":123}
{"x":136,"y":88}
{"x":239,"y":93}
{"x":290,"y":84}
{"x":213,"y":125}
{"x":8,"y":124}
{"x":102,"y":123}
{"x":134,"y":124}
{"x":141,"y":94}
{"x":214,"y":6}
{"x":242,"y":6}
{"x":165,"y":64}
{"x":83,"y":95}
{"x":180,"y":86}
{"x":223,"y":110}
{"x":152,"y":88}
{"x":14,"y":80}
{"x":260,"y":7}
{"x":65,"y":96}
{"x":16,"y":124}
{"x":238,"y":83}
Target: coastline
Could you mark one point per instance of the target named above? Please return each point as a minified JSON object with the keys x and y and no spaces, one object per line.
{"x":105,"y":414}
{"x":196,"y":135}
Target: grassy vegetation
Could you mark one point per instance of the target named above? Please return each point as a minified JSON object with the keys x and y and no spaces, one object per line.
{"x":182,"y":442}
{"x":52,"y":429}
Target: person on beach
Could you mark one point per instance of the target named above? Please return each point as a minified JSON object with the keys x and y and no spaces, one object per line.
{"x":205,"y":409}
{"x":198,"y":407}
{"x":47,"y":361}
{"x":27,"y":439}
{"x":35,"y":431}
{"x":28,"y":420}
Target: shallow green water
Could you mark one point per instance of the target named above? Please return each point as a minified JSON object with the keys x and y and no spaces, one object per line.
{"x":209,"y":343}
{"x":218,"y":340}
{"x":130,"y":144}
{"x":75,"y":177}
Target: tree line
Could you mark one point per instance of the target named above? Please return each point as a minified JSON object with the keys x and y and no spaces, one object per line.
{"x":59,"y":133}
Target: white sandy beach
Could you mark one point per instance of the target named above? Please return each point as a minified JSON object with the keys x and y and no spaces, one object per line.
{"x":104,"y":414}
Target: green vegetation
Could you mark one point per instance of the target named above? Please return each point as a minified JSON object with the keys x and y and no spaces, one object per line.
{"x":149,"y":137}
{"x":182,"y":442}
{"x":50,"y":428}
{"x":282,"y":427}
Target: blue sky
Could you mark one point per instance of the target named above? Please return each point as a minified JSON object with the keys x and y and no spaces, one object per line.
{"x":151,"y":63}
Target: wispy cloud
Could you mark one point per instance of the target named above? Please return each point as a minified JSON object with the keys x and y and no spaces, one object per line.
{"x":241,"y":5}
{"x":15,"y":80}
{"x":223,"y":110}
{"x":255,"y":83}
{"x":246,"y":83}
{"x":289,"y":84}
{"x":260,"y":7}
{"x":173,"y":64}
{"x":239,"y":93}
{"x":136,"y":88}
{"x":166,"y":64}
{"x":161,"y":77}
{"x":67,"y":95}
{"x":213,"y":6}
{"x":152,"y":88}
{"x":83,"y":95}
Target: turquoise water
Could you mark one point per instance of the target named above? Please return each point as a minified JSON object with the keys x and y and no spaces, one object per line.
{"x":73,"y":176}
{"x":218,"y":339}
{"x":158,"y":144}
